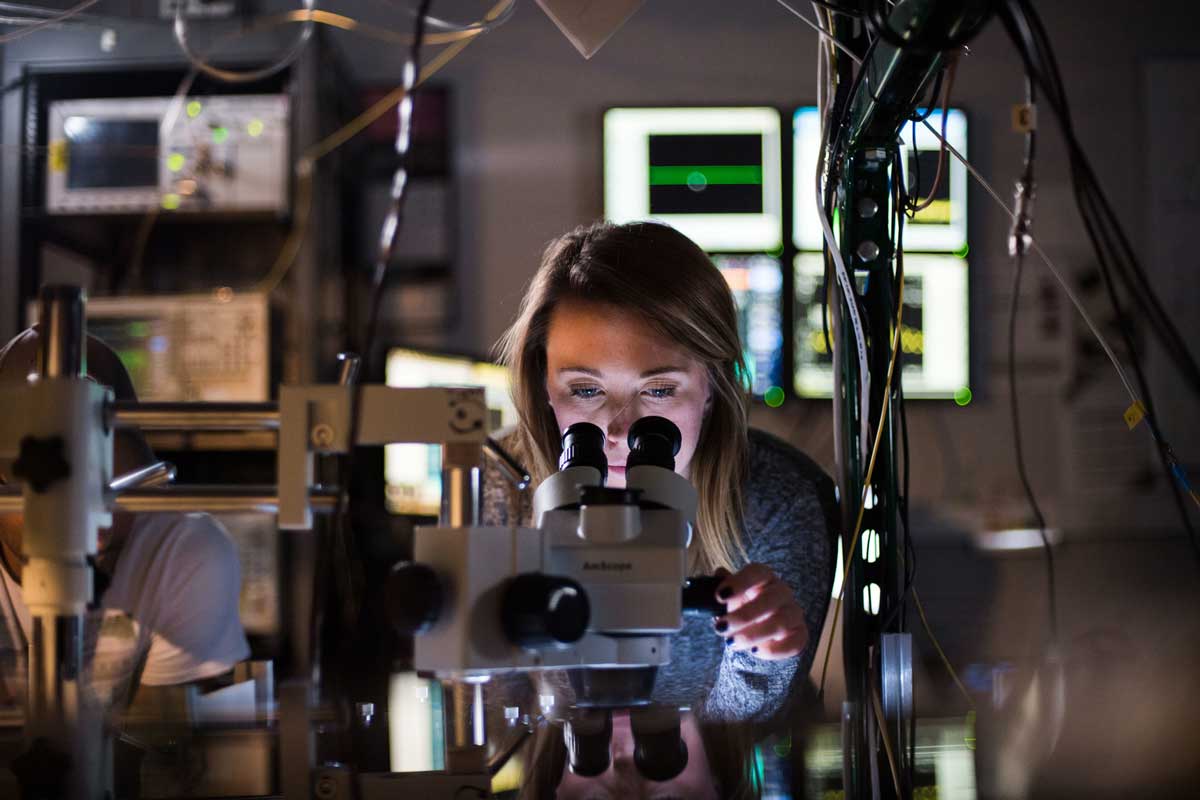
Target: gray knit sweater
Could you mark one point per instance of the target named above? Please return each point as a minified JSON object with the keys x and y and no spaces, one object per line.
{"x":790,"y":518}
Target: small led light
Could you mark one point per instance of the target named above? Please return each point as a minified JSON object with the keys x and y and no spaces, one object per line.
{"x":962,"y":251}
{"x":255,"y":127}
{"x":194,"y":108}
{"x":220,"y":134}
{"x":963,"y":396}
{"x":175,"y":162}
{"x":171,"y":201}
{"x":773,"y":397}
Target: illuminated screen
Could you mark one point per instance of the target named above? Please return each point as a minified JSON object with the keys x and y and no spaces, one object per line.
{"x":714,"y":174}
{"x":941,"y":227}
{"x":757,"y":283}
{"x":412,"y":472}
{"x":933,"y":338}
{"x":111,"y":154}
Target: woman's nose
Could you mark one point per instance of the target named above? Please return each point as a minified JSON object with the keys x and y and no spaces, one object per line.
{"x":619,"y":422}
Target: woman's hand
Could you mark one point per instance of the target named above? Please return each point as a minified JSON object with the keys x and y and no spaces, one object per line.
{"x":763,"y":616}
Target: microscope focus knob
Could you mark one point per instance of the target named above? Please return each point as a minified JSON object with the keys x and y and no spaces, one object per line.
{"x":414,"y":596}
{"x":544,"y":611}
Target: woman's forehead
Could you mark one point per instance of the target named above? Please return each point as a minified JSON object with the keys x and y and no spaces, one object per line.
{"x":598,"y":335}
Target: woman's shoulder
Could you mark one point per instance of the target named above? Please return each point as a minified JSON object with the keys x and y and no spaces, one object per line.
{"x":782,"y":481}
{"x":775,"y":464}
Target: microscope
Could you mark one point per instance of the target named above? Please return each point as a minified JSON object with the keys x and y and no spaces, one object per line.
{"x":596,"y":588}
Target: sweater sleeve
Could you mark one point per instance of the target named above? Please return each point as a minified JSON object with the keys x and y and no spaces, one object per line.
{"x":789,"y":513}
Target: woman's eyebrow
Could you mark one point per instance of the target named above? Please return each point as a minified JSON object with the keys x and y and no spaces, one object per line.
{"x":585,"y":370}
{"x":662,"y":371}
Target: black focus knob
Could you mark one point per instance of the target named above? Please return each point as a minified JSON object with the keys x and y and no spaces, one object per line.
{"x":42,"y":462}
{"x":414,"y":595}
{"x":583,"y":446}
{"x":700,"y":596}
{"x":544,"y":611}
{"x":654,"y":441}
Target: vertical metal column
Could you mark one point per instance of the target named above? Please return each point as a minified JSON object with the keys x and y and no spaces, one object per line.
{"x":874,"y":582}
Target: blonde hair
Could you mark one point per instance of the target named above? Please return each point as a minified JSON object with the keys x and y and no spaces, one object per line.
{"x":661,"y":276}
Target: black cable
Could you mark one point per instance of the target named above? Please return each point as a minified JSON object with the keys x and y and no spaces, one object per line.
{"x":1019,"y":259}
{"x":931,"y":41}
{"x":1101,"y":223}
{"x":1018,"y":245}
{"x":343,"y":558}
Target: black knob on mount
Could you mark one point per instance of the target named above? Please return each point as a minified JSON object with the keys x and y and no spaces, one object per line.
{"x":544,"y":610}
{"x":700,"y":596}
{"x":583,"y":446}
{"x":654,"y":441}
{"x":414,"y":595}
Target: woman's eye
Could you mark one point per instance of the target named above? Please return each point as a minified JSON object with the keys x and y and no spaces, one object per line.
{"x":661,"y":392}
{"x":585,"y":392}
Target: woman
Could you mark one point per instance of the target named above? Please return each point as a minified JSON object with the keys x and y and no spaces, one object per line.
{"x":626,"y":321}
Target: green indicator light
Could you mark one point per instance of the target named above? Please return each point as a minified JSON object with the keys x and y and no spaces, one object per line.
{"x":219,"y":135}
{"x":175,"y":162}
{"x":963,"y":396}
{"x":773,"y":397}
{"x":962,"y":251}
{"x":698,"y":176}
{"x":171,"y":201}
{"x":255,"y":128}
{"x":194,"y":108}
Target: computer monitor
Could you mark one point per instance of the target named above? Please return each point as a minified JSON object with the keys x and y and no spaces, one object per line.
{"x":412,"y":472}
{"x":757,"y":284}
{"x":715,"y":174}
{"x":212,"y":347}
{"x":941,"y":227}
{"x":934,"y":337}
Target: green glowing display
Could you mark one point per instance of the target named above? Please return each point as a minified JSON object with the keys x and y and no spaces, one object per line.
{"x":698,"y":177}
{"x":220,"y":134}
{"x":963,"y":396}
{"x":773,"y":397}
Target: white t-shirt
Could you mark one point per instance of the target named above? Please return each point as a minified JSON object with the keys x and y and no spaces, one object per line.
{"x":171,"y":612}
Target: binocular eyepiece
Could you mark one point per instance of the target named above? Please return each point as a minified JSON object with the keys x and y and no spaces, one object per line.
{"x":659,"y":752}
{"x":653,"y":441}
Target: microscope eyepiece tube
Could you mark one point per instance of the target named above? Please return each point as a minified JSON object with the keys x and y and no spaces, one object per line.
{"x":588,"y":736}
{"x":583,"y":446}
{"x":653,"y":441}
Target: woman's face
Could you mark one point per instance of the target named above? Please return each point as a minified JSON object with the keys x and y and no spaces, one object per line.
{"x":622,"y":779}
{"x":607,"y":367}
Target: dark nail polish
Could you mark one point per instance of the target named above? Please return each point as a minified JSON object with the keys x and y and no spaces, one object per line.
{"x":729,"y":641}
{"x":722,"y":626}
{"x":725,"y":593}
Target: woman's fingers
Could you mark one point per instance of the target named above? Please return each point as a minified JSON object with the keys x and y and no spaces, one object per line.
{"x":738,"y":589}
{"x":789,"y":645}
{"x":770,"y":598}
{"x":777,"y":623}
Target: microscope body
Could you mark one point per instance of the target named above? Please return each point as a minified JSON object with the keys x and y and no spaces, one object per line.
{"x":502,"y":605}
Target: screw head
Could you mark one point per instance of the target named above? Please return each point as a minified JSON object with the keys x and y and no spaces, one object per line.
{"x":322,"y":435}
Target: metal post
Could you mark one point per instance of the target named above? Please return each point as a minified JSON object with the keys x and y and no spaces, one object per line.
{"x":460,"y":485}
{"x":60,"y":345}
